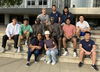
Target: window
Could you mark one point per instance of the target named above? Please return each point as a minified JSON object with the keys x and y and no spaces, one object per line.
{"x":45,"y":2}
{"x":28,"y":3}
{"x":42,"y":2}
{"x":32,"y":2}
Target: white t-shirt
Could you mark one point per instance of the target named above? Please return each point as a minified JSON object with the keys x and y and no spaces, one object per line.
{"x":83,"y":25}
{"x":12,"y":30}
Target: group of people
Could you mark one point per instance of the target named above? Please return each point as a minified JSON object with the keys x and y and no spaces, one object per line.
{"x":50,"y":34}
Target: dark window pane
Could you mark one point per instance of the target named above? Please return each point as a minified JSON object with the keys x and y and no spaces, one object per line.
{"x":40,"y":2}
{"x":33,"y":2}
{"x":28,"y":3}
{"x":44,"y":2}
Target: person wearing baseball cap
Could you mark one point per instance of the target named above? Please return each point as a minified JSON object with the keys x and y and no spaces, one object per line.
{"x":51,"y":48}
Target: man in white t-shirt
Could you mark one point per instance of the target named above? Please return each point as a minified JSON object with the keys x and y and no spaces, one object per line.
{"x":82,"y":26}
{"x":12,"y":32}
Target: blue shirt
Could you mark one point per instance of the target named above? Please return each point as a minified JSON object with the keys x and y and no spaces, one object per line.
{"x":36,"y":42}
{"x":87,"y":45}
{"x":55,"y":16}
{"x":68,"y":15}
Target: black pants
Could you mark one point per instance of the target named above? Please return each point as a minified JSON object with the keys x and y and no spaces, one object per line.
{"x":36,"y":53}
{"x":59,"y":44}
{"x":5,"y":38}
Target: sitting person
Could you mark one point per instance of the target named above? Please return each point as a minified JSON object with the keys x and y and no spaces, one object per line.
{"x":82,"y":26}
{"x":12,"y":32}
{"x":35,"y":48}
{"x":56,"y":33}
{"x":88,"y":47}
{"x":51,"y":48}
{"x":37,"y":27}
{"x":24,"y":33}
{"x":69,"y":35}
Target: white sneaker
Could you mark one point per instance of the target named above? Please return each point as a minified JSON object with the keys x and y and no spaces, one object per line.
{"x":15,"y":50}
{"x":18,"y":50}
{"x":2,"y":50}
{"x":74,"y":54}
{"x":26,"y":42}
{"x":48,"y":62}
{"x":35,"y":62}
{"x":53,"y":63}
{"x":65,"y":53}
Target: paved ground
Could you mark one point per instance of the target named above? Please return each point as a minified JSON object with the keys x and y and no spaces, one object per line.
{"x":18,"y":65}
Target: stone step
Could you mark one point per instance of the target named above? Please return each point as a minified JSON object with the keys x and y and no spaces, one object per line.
{"x":69,"y":58}
{"x":70,"y":50}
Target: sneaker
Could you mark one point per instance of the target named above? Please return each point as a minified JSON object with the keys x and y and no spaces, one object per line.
{"x":53,"y":63}
{"x":65,"y":53}
{"x":80,"y":64}
{"x":74,"y":54}
{"x":35,"y":62}
{"x":48,"y":62}
{"x":28,"y":64}
{"x":26,"y":42}
{"x":2,"y":50}
{"x":15,"y":50}
{"x":95,"y":67}
{"x":18,"y":50}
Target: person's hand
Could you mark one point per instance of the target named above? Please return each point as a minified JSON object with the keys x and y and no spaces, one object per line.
{"x":21,"y":37}
{"x":32,"y":49}
{"x":87,"y":53}
{"x":92,"y":50}
{"x":68,"y":37}
{"x":9,"y":38}
{"x":25,"y":32}
{"x":38,"y":47}
{"x":46,"y":49}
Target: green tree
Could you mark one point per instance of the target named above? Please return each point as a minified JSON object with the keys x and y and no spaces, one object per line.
{"x":10,"y":2}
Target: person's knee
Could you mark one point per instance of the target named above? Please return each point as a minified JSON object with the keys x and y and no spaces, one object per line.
{"x":64,"y":39}
{"x":20,"y":37}
{"x":81,"y":52}
{"x":36,"y":52}
{"x":47,"y":52}
{"x":4,"y":37}
{"x":74,"y":40}
{"x":94,"y":53}
{"x":29,"y":53}
{"x":53,"y":53}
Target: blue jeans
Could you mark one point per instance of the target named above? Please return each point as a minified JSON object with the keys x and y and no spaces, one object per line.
{"x":36,"y":53}
{"x":52,"y":54}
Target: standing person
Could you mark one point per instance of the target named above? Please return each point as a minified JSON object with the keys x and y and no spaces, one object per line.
{"x":82,"y":26}
{"x":66,"y":14}
{"x":56,"y":33}
{"x":12,"y":32}
{"x":69,"y":35}
{"x":51,"y":49}
{"x":37,"y":27}
{"x":24,"y":33}
{"x":55,"y":14}
{"x":35,"y":48}
{"x":88,"y":48}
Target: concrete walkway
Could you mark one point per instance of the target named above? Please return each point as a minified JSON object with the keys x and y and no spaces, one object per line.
{"x":18,"y":65}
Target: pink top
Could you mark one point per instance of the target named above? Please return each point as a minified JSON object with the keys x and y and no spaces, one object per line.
{"x":69,"y":30}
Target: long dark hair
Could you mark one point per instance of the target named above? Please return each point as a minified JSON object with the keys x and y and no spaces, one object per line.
{"x":65,"y":8}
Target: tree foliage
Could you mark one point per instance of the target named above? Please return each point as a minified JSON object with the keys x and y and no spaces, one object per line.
{"x":10,"y":2}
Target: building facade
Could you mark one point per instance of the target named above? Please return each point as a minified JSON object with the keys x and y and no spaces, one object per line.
{"x":31,"y":8}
